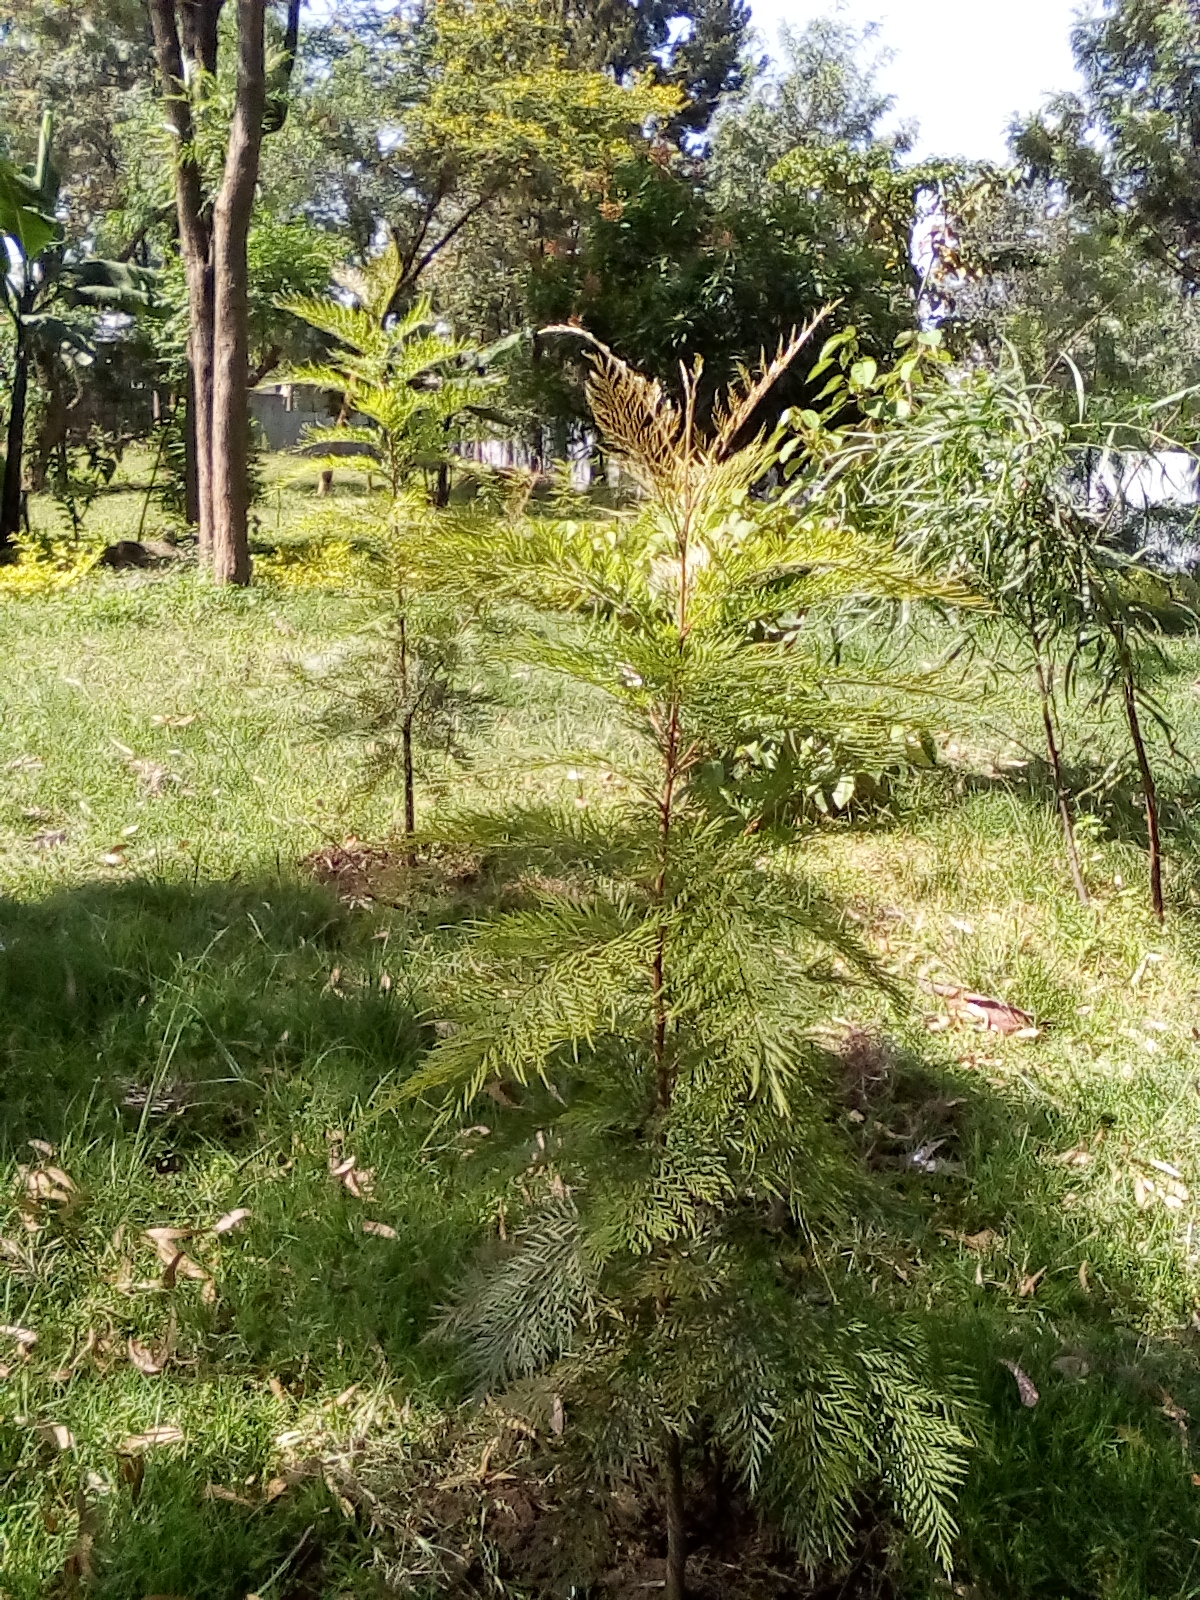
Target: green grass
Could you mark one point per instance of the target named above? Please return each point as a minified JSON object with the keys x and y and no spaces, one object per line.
{"x":196,"y":1026}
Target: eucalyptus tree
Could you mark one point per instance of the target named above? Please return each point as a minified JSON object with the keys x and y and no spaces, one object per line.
{"x":979,"y":472}
{"x":1126,"y":148}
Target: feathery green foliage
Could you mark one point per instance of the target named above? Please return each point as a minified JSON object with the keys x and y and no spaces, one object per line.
{"x":407,"y":389}
{"x":407,"y":386}
{"x":980,"y":473}
{"x":651,"y":1031}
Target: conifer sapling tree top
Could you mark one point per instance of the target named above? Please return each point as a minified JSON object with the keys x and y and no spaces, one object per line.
{"x":408,"y":388}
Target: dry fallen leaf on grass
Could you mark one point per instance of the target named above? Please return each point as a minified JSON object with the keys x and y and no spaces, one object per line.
{"x":148,"y":1360}
{"x":1028,"y":1285}
{"x":176,"y":1263}
{"x":1166,"y":1168}
{"x":153,"y":776}
{"x":42,"y":1146}
{"x":231,"y":1220}
{"x":168,"y":719}
{"x":996,"y":1016}
{"x":986,"y":1239}
{"x":276,"y":1487}
{"x":358,"y":1181}
{"x":26,"y":1338}
{"x":380,"y":1229}
{"x":57,"y":1434}
{"x":182,"y":1266}
{"x":166,"y":1433}
{"x":1168,"y":1191}
{"x":214,"y":1491}
{"x":1078,"y":1157}
{"x":1029,"y":1395}
{"x":12,"y":1252}
{"x":165,"y":1240}
{"x":46,"y":1184}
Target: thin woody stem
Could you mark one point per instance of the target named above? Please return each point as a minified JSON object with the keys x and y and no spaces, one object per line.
{"x":1046,"y":695}
{"x":1149,"y":787}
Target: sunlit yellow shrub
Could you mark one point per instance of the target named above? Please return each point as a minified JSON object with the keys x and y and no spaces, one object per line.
{"x":335,"y":564}
{"x":47,"y":566}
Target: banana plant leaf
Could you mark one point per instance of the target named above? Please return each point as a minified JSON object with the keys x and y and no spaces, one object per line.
{"x":107,"y":285}
{"x":24,"y":215}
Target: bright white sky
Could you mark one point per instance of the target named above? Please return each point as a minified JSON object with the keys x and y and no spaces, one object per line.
{"x":962,"y":68}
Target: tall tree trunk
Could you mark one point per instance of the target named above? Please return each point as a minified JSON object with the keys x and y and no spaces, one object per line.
{"x":10,"y":504}
{"x":53,"y":428}
{"x":406,"y":733}
{"x":231,"y":286}
{"x":200,"y":396}
{"x":199,"y":25}
{"x":410,"y":796}
{"x":191,"y":465}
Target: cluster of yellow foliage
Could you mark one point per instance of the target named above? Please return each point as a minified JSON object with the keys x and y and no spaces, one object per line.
{"x":47,"y":566}
{"x":334,"y":564}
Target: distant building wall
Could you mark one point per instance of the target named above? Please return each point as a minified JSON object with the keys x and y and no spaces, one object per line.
{"x":284,"y":410}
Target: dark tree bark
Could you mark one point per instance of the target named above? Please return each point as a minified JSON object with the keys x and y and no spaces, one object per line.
{"x":54,"y":425}
{"x":198,"y":20}
{"x":10,"y":502}
{"x":410,"y":798}
{"x":191,"y":470}
{"x":1149,"y":787}
{"x":406,"y":732}
{"x":676,"y":1576}
{"x":231,"y":353}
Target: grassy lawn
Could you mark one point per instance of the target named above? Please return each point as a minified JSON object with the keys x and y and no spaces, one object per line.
{"x":221,"y":1253}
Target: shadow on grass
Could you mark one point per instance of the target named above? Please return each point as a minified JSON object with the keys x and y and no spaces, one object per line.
{"x":189,"y":1050}
{"x":182,"y":1052}
{"x":174,"y":1006}
{"x":1089,"y":1490}
{"x":1115,"y":801}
